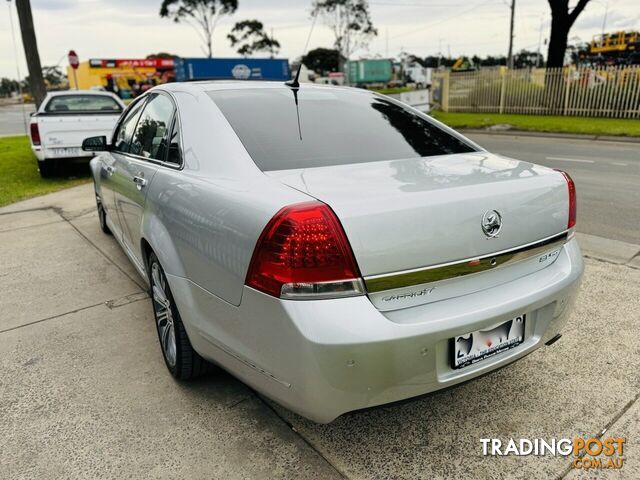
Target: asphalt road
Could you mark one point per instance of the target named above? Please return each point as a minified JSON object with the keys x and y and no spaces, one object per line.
{"x":607,"y":177}
{"x":13,"y":118}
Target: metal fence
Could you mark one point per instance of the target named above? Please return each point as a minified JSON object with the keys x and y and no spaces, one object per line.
{"x":588,"y":92}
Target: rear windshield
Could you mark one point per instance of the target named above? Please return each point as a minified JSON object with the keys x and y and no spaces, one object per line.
{"x":328,"y":127}
{"x":82,"y":103}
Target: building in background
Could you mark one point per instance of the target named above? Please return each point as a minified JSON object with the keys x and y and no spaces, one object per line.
{"x":126,"y":77}
{"x":130,"y":77}
{"x":275,"y":69}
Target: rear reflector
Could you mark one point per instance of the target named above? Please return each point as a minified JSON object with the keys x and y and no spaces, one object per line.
{"x":303,"y":253}
{"x":35,"y":134}
{"x":572,"y":199}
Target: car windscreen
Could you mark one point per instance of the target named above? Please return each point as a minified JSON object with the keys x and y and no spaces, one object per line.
{"x":314,"y":127}
{"x":82,"y":104}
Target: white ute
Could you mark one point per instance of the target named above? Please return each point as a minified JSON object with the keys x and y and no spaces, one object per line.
{"x":65,"y":119}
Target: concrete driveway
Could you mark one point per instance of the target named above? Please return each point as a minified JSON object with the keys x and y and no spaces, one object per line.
{"x":84,"y":391}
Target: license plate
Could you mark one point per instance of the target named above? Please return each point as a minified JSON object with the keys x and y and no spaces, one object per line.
{"x":476,"y":346}
{"x":65,"y":152}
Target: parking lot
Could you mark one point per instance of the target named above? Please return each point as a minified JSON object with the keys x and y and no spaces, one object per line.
{"x":85,"y":391}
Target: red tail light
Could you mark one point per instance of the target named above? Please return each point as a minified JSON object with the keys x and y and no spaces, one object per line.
{"x":35,"y":134}
{"x":304,"y":253}
{"x":572,"y":199}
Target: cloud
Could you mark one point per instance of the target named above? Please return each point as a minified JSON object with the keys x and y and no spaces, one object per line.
{"x":45,"y":5}
{"x":133,"y":28}
{"x":594,"y":20}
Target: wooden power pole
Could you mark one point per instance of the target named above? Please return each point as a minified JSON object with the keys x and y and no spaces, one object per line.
{"x":36,"y":82}
{"x":510,"y":55}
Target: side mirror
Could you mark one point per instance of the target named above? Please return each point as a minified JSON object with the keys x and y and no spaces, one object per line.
{"x":95,"y":144}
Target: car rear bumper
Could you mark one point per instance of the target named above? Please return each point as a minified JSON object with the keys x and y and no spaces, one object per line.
{"x":328,"y":357}
{"x":47,"y":154}
{"x":38,"y":152}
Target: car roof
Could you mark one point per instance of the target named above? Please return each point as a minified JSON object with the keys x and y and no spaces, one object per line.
{"x":79,"y":92}
{"x":220,"y":85}
{"x":208,"y":85}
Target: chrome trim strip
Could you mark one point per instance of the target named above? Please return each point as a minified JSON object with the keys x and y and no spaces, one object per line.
{"x":468,"y":266}
{"x":336,"y":289}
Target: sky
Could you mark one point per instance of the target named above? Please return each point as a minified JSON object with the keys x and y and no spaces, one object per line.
{"x":134,"y":29}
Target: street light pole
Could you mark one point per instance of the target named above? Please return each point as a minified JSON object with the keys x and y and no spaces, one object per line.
{"x":271,"y":47}
{"x":511,"y":24}
{"x":604,"y":20}
{"x":538,"y":55}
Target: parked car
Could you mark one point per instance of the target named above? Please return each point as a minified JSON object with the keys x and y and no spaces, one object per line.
{"x":418,"y":75}
{"x":333,"y":248}
{"x":65,"y":118}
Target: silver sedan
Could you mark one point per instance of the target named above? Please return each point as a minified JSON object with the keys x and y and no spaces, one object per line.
{"x":331,"y":247}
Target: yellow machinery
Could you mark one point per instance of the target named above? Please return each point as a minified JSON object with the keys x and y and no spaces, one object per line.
{"x":614,"y":43}
{"x":463,"y":64}
{"x":121,"y":75}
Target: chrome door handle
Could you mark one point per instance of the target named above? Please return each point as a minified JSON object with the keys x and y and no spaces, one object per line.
{"x":110,"y":169}
{"x":139,"y":181}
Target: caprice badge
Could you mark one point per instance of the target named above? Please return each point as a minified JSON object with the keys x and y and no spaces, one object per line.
{"x":401,"y":296}
{"x":491,"y":223}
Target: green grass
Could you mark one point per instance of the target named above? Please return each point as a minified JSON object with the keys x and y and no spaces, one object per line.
{"x":389,"y":91}
{"x":19,"y":177}
{"x":542,"y":123}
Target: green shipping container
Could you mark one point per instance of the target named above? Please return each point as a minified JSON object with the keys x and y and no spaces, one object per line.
{"x":370,"y":71}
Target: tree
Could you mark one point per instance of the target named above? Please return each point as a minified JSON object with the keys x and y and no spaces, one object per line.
{"x":406,"y":57}
{"x":163,"y":55}
{"x":490,"y":61}
{"x":251,"y":38}
{"x":53,"y":76}
{"x":322,"y":60}
{"x":36,"y":82}
{"x":351,"y":23}
{"x":526,"y":59}
{"x":8,"y":86}
{"x":202,"y":15}
{"x":561,"y":22}
{"x":438,"y":61}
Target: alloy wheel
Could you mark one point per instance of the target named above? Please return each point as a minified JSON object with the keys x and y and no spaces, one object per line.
{"x":163,"y":311}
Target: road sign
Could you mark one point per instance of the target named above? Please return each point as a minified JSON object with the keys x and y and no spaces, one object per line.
{"x":74,"y":62}
{"x":73,"y":59}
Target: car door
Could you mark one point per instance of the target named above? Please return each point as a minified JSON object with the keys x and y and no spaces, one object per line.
{"x":108,"y":178}
{"x":136,"y":168}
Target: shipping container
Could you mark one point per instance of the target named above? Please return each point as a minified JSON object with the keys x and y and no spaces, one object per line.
{"x":232,"y":69}
{"x":369,"y":71}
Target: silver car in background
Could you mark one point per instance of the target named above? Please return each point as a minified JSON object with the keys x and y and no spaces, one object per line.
{"x":331,"y":247}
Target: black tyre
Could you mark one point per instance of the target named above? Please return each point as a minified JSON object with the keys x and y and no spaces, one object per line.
{"x":181,"y":359}
{"x":47,"y":168}
{"x":102,"y":216}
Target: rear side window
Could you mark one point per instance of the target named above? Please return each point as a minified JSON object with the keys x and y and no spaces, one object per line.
{"x":329,"y":127}
{"x":125,"y":131}
{"x":174,"y":155}
{"x":151,"y":137}
{"x":82,"y":104}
